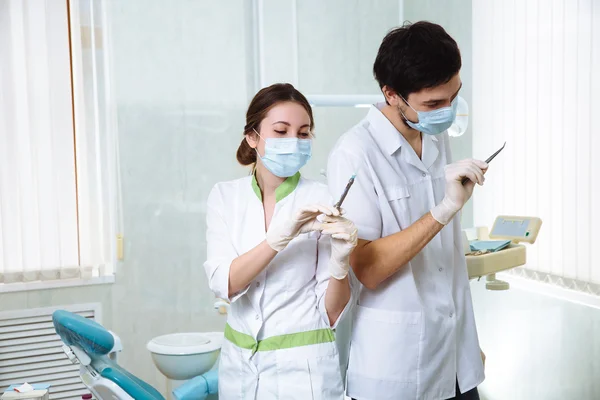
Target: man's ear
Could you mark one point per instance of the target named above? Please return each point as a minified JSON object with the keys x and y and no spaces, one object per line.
{"x":392,"y":97}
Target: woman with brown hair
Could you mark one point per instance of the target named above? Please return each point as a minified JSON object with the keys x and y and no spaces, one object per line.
{"x":279,"y":252}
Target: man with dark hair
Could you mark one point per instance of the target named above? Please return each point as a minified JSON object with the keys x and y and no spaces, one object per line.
{"x":414,"y":334}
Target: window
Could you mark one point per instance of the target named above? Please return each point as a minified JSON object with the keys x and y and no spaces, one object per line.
{"x":536,"y":75}
{"x":58,"y":174}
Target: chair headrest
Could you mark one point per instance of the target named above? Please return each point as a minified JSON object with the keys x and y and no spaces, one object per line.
{"x":86,"y":334}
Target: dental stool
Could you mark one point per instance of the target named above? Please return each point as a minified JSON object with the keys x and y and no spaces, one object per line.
{"x":94,"y":348}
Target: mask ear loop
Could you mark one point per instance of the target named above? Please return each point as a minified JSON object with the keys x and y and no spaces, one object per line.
{"x":257,"y":153}
{"x":255,"y":131}
{"x":406,"y":120}
{"x":407,"y":103}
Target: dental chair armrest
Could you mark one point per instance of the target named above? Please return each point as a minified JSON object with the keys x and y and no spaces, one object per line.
{"x":76,"y":355}
{"x":117,"y":348}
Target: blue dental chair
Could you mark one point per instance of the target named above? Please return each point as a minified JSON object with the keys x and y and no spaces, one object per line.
{"x":95,"y":348}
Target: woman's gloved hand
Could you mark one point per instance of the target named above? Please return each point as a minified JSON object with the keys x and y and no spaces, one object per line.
{"x":280,"y":234}
{"x":344,"y":237}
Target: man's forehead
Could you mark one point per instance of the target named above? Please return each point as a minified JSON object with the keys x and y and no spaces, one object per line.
{"x":441,"y":92}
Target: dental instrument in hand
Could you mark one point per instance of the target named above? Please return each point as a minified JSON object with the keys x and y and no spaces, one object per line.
{"x":338,"y":205}
{"x":490,"y":158}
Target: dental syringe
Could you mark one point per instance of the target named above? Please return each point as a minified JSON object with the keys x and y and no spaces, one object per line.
{"x":338,"y":205}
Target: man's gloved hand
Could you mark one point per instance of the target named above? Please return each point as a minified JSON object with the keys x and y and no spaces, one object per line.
{"x":281,"y":233}
{"x":458,"y":194}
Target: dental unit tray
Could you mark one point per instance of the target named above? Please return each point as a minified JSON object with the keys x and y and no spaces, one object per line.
{"x":505,"y":228}
{"x":489,"y":245}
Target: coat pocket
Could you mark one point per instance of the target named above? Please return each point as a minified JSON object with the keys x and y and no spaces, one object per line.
{"x":310,"y":372}
{"x":385,"y":345}
{"x":396,"y":192}
{"x":326,"y":378}
{"x":294,"y":379}
{"x":399,"y":198}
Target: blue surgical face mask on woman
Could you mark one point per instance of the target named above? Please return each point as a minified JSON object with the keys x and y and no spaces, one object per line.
{"x":433,"y":122}
{"x":285,"y":156}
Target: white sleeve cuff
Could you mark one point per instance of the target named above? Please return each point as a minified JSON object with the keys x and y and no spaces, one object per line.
{"x":239,"y":294}
{"x":219,"y":282}
{"x":345,"y":311}
{"x":368,"y":233}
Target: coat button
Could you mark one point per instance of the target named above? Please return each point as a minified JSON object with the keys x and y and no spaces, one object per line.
{"x":257,"y":284}
{"x":257,"y":317}
{"x":451,"y":315}
{"x":441,"y":269}
{"x":424,"y":174}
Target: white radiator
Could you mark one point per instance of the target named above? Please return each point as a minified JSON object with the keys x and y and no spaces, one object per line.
{"x":31,"y":351}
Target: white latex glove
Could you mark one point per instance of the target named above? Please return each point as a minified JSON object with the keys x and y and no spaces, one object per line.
{"x":458,"y":194}
{"x":304,"y":221}
{"x":344,"y":237}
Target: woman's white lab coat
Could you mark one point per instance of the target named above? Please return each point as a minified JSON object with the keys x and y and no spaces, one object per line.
{"x":288,"y":297}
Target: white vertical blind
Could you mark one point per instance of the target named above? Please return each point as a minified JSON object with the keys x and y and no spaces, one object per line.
{"x":536,"y":82}
{"x":58,"y":171}
{"x":95,"y":129}
{"x":38,"y":207}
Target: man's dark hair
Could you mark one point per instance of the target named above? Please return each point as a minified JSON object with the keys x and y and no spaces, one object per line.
{"x":415,"y":57}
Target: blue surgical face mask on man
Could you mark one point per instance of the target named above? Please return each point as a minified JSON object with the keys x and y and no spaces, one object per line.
{"x":433,"y":122}
{"x":285,"y":156}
